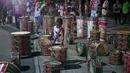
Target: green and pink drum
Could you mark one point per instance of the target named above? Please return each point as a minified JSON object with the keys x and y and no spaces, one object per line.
{"x":52,"y":67}
{"x":6,"y":67}
{"x":115,"y":57}
{"x":126,"y":59}
{"x":102,"y":28}
{"x":123,"y":40}
{"x":98,"y":48}
{"x":45,"y":42}
{"x":59,"y":53}
{"x":21,"y":43}
{"x":15,"y":58}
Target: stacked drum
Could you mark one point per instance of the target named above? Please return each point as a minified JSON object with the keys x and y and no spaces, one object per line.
{"x":21,"y":43}
{"x":24,"y":23}
{"x":59,"y":53}
{"x":81,"y":49}
{"x":6,"y":67}
{"x":52,"y":67}
{"x":102,"y":28}
{"x":115,"y":57}
{"x":126,"y":62}
{"x":45,"y":42}
{"x":15,"y":58}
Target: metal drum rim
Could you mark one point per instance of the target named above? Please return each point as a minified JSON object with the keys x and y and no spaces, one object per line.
{"x":51,"y":64}
{"x":20,"y":33}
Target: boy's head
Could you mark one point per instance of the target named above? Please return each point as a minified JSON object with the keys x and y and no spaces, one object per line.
{"x":59,"y":22}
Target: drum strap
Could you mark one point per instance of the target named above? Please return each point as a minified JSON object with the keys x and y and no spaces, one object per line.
{"x":57,"y":35}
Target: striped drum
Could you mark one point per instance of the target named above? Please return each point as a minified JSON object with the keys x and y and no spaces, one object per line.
{"x":98,"y":48}
{"x":126,"y":62}
{"x":115,"y":57}
{"x":52,"y":67}
{"x":92,"y":26}
{"x":102,"y":28}
{"x":81,"y":49}
{"x":45,"y":44}
{"x":30,"y":27}
{"x":94,"y":66}
{"x":15,"y":58}
{"x":6,"y":67}
{"x":70,"y":39}
{"x":48,"y":23}
{"x":59,"y":53}
{"x":123,"y":40}
{"x":95,"y":34}
{"x":24,"y":23}
{"x":21,"y":43}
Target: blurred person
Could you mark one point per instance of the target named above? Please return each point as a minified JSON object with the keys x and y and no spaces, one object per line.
{"x":105,"y":7}
{"x":4,"y":14}
{"x":58,"y":32}
{"x":38,"y":16}
{"x":10,"y":15}
{"x":28,"y":9}
{"x":117,"y":11}
{"x":125,"y":11}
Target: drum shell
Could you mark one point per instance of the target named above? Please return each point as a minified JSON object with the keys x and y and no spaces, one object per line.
{"x":48,"y":68}
{"x":81,"y":49}
{"x":45,"y":49}
{"x":24,"y":23}
{"x":59,"y":54}
{"x":15,"y":58}
{"x":70,"y":39}
{"x":99,"y":48}
{"x":7,"y":67}
{"x":48,"y":23}
{"x":21,"y":44}
{"x":30,"y":27}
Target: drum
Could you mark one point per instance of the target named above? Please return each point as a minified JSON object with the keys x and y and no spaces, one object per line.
{"x":45,"y":42}
{"x":15,"y":58}
{"x":115,"y":57}
{"x":95,"y":34}
{"x":30,"y":27}
{"x":21,"y":43}
{"x":102,"y":27}
{"x":98,"y":48}
{"x":94,"y":66}
{"x":6,"y":67}
{"x":110,"y":38}
{"x":48,"y":23}
{"x":24,"y":23}
{"x":91,"y":26}
{"x":70,"y":39}
{"x":52,"y":67}
{"x":81,"y":49}
{"x":59,"y":53}
{"x":123,"y":40}
{"x":80,"y":23}
{"x":126,"y":62}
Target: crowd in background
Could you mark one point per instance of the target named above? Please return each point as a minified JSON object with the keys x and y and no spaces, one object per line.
{"x":17,"y":9}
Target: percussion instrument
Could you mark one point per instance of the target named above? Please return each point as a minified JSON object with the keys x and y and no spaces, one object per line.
{"x":6,"y":67}
{"x":123,"y":40}
{"x":45,"y":42}
{"x":126,"y":62}
{"x":81,"y":49}
{"x":94,"y":66}
{"x":115,"y":57}
{"x":48,"y":23}
{"x":95,"y":34}
{"x":52,"y":67}
{"x":70,"y":39}
{"x":91,"y":26}
{"x":30,"y":27}
{"x":15,"y":58}
{"x":98,"y":48}
{"x":21,"y":43}
{"x":102,"y":27}
{"x":59,"y":53}
{"x":24,"y":23}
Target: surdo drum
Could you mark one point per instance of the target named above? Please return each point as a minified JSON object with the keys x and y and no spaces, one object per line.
{"x":21,"y":43}
{"x":59,"y":53}
{"x":52,"y":67}
{"x":6,"y":67}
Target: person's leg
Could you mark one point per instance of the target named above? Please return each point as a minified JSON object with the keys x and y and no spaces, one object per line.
{"x":115,"y":16}
{"x":119,"y":18}
{"x":124,"y":18}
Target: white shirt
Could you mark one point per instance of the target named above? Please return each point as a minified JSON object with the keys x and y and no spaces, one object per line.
{"x":37,"y":12}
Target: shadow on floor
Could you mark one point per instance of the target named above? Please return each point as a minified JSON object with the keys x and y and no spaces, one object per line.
{"x":24,"y":68}
{"x":32,"y":55}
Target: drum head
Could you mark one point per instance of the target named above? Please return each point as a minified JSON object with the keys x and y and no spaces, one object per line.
{"x":59,"y":47}
{"x":123,"y":32}
{"x":52,"y":63}
{"x":20,"y":33}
